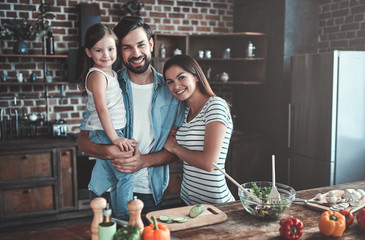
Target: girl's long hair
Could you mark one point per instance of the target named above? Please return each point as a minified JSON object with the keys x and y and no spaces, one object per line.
{"x":190,"y":65}
{"x":93,"y":35}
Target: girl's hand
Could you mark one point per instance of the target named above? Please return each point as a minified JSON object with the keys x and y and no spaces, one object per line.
{"x":170,"y":143}
{"x":125,"y":144}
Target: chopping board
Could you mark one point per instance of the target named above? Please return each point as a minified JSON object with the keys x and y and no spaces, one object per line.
{"x":338,"y":194}
{"x":211,"y":215}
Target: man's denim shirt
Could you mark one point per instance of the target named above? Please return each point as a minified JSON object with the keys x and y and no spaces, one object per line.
{"x":166,"y":111}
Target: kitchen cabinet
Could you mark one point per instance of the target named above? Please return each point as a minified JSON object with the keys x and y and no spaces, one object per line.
{"x":240,"y":68}
{"x":37,"y":181}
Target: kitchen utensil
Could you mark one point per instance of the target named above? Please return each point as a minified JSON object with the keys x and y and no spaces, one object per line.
{"x":311,"y":201}
{"x":210,"y":215}
{"x":265,"y":209}
{"x":237,"y":184}
{"x":120,"y":222}
{"x":274,"y":196}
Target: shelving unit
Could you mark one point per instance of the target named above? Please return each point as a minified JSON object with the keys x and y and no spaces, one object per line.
{"x":241,"y":69}
{"x":44,"y":83}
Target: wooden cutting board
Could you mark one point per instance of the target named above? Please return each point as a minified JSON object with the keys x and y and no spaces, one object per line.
{"x":338,"y":193}
{"x":211,"y":215}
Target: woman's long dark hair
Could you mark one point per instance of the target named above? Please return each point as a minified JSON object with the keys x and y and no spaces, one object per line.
{"x":190,"y":65}
{"x":93,"y":35}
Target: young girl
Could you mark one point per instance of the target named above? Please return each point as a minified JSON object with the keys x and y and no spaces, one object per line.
{"x":204,"y":136}
{"x":107,"y":114}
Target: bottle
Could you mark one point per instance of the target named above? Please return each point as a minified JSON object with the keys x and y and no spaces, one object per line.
{"x":107,"y":228}
{"x":249,"y":51}
{"x":162,"y":51}
{"x":50,"y":43}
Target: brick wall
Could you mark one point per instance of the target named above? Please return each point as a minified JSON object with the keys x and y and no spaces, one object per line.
{"x":342,"y":25}
{"x":165,"y":16}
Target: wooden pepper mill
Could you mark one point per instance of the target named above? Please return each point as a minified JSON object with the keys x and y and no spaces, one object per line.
{"x":97,"y":204}
{"x":135,"y":207}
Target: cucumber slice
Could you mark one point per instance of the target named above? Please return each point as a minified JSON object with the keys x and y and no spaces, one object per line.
{"x":196,"y":211}
{"x":164,"y":218}
{"x":180,"y":219}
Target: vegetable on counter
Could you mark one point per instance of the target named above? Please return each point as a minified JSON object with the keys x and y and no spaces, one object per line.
{"x":196,"y":211}
{"x":332,"y":223}
{"x":291,"y":228}
{"x":360,"y":217}
{"x":156,"y":231}
{"x":349,"y":217}
{"x":129,"y":232}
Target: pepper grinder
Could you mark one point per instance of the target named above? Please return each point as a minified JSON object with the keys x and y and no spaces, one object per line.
{"x":97,"y":204}
{"x":135,"y":207}
{"x":107,"y":228}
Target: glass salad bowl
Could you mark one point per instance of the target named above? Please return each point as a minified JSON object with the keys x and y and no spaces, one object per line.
{"x":266,"y":210}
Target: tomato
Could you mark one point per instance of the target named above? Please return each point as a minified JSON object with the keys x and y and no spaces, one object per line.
{"x":349,"y":217}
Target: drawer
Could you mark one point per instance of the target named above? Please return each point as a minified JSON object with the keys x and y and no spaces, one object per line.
{"x":26,"y":166}
{"x":27,"y":200}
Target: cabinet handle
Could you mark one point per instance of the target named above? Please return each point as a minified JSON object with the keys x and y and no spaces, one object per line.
{"x":25,"y":157}
{"x":64,"y":154}
{"x":26,"y":191}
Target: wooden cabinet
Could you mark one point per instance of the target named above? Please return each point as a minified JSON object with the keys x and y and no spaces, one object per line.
{"x":240,"y":68}
{"x":171,"y":196}
{"x":37,"y":182}
{"x":170,"y":42}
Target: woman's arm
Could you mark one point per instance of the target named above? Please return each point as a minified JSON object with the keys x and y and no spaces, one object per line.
{"x":138,"y":161}
{"x":213,"y":141}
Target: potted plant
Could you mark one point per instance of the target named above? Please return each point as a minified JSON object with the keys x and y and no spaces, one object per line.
{"x":23,"y":29}
{"x":132,"y":8}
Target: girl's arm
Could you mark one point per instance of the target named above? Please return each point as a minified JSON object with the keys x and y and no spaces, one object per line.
{"x":97,"y":84}
{"x":213,"y":141}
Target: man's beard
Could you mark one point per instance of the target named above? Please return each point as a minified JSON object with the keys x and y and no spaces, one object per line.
{"x":138,"y":69}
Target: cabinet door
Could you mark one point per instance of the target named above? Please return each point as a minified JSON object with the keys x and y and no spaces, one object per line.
{"x":67,"y":181}
{"x":26,"y":166}
{"x":172,"y":193}
{"x":27,"y":200}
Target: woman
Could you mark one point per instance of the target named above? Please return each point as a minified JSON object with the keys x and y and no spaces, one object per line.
{"x":203,"y":138}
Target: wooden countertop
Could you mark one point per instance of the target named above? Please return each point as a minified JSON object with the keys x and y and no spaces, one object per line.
{"x":37,"y":143}
{"x":239,"y":225}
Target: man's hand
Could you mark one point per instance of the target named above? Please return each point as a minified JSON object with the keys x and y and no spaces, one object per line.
{"x":131,"y":164}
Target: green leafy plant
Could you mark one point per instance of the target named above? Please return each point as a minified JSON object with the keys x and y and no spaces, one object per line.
{"x":26,"y":29}
{"x":132,"y":8}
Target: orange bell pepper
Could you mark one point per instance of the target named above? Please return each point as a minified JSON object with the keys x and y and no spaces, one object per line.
{"x":332,"y":223}
{"x":156,"y":231}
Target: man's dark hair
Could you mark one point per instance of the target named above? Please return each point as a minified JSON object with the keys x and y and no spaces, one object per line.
{"x":130,"y":23}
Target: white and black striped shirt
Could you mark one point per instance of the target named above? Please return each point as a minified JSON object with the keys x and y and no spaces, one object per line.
{"x":199,"y":186}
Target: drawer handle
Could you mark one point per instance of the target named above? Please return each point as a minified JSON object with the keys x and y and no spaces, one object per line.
{"x":64,"y":154}
{"x":26,"y":191}
{"x":25,"y":157}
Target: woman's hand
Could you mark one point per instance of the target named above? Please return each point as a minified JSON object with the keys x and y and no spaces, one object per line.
{"x":170,"y":144}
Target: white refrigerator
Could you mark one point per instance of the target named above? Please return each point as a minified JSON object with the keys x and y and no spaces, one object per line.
{"x":326,"y":136}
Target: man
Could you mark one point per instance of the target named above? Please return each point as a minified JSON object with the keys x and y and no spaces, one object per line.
{"x":151,"y":112}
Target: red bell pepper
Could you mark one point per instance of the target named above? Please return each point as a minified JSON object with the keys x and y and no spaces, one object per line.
{"x":291,"y":228}
{"x":349,"y":217}
{"x":360,"y":217}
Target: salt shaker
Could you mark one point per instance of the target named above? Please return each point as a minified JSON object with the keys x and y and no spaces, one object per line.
{"x":135,"y":207}
{"x":97,"y":205}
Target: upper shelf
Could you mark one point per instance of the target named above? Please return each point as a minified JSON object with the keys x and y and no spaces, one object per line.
{"x":34,"y":55}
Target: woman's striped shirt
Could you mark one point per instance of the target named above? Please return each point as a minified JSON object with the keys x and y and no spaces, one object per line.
{"x":199,"y":186}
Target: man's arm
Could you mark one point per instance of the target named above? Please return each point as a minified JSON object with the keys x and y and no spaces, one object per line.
{"x":138,"y":161}
{"x":100,"y":150}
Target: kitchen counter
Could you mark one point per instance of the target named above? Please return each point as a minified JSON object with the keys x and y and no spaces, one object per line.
{"x":239,"y":225}
{"x":38,"y":143}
